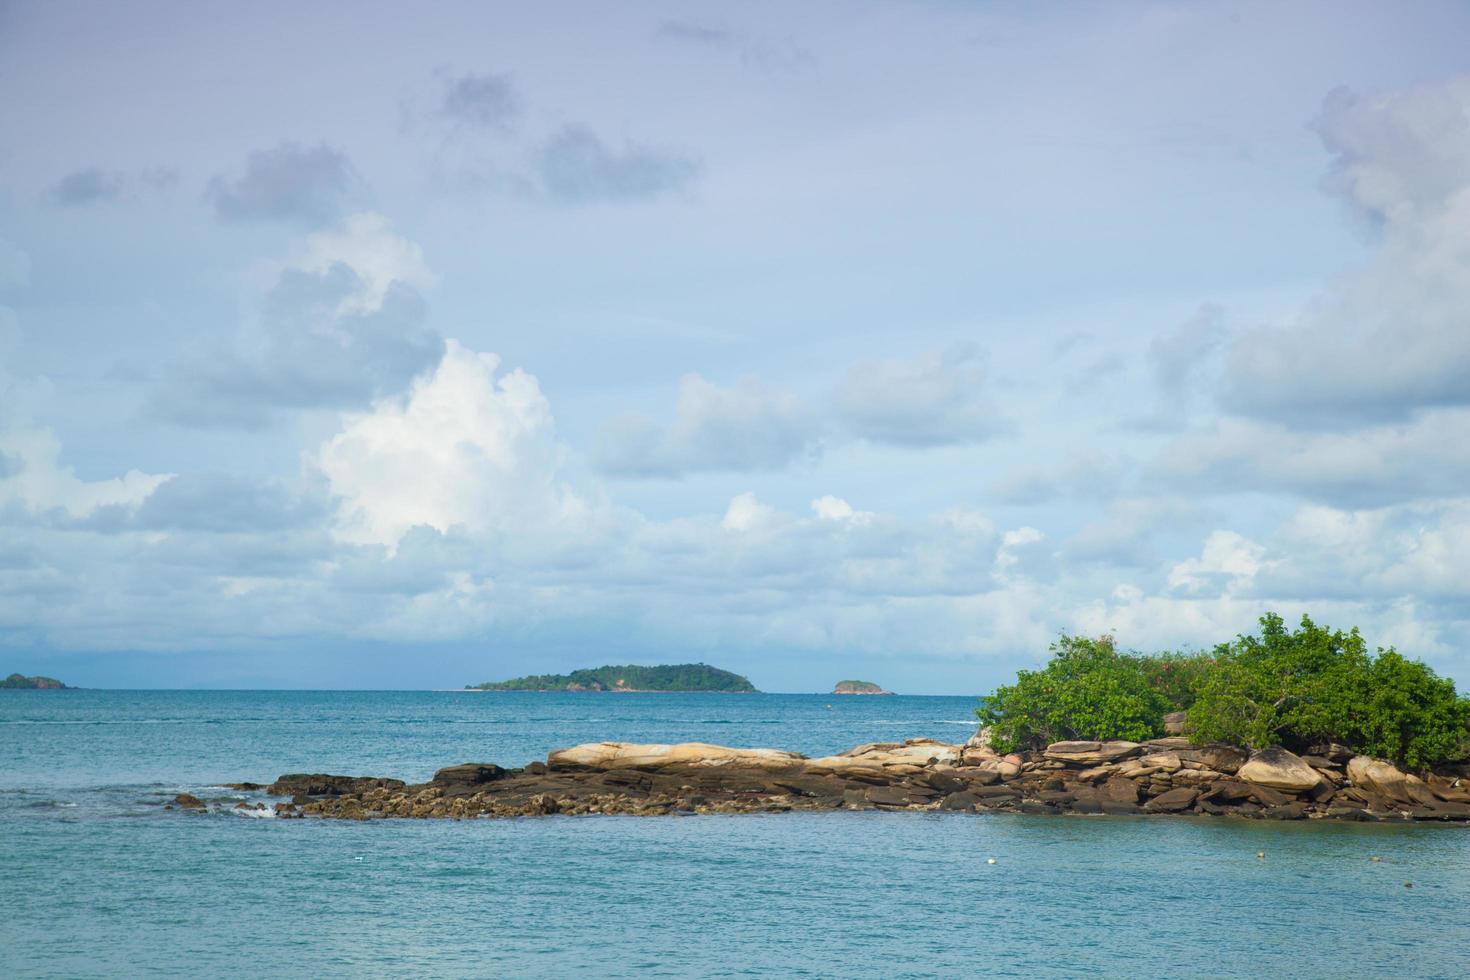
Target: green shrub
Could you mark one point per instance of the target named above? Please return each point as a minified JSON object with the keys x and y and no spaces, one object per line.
{"x":1283,"y":687}
{"x":1087,"y":690}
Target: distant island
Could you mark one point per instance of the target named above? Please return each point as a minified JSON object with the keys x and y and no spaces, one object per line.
{"x":630,"y":678}
{"x":858,"y":687}
{"x":21,"y":682}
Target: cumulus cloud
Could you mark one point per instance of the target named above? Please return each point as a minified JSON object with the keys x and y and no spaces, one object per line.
{"x":1227,"y":563}
{"x":748,"y":426}
{"x":288,"y":182}
{"x":1372,"y":466}
{"x":839,"y":511}
{"x":33,"y":476}
{"x":938,"y":399}
{"x":576,"y":166}
{"x":464,"y":448}
{"x":343,"y":324}
{"x":1391,"y":339}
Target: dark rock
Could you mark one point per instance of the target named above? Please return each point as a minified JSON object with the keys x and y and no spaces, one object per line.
{"x":1037,"y":808}
{"x":468,"y":774}
{"x":190,"y":802}
{"x":245,"y":787}
{"x":1180,"y":798}
{"x":978,"y":777}
{"x":1117,"y":808}
{"x":1336,"y":754}
{"x":1266,"y":796}
{"x":943,"y":781}
{"x":887,"y":796}
{"x":1056,"y":796}
{"x":959,"y":801}
{"x":1322,"y":792}
{"x":320,"y":784}
{"x":1221,"y":758}
{"x":1349,"y":813}
{"x":1295,"y":810}
{"x":1228,"y":791}
{"x":1119,"y":790}
{"x":994,"y":792}
{"x":1450,"y":811}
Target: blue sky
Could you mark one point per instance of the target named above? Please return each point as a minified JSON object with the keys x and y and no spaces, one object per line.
{"x":348,"y":346}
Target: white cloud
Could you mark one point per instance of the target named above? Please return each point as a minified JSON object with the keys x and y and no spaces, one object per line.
{"x":937,"y":399}
{"x":32,"y":474}
{"x":1227,"y":564}
{"x":1392,"y":338}
{"x":745,"y":513}
{"x":837,"y":510}
{"x":366,"y":244}
{"x":749,"y":426}
{"x":464,"y":448}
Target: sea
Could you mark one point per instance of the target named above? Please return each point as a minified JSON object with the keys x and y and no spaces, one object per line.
{"x":98,"y":879}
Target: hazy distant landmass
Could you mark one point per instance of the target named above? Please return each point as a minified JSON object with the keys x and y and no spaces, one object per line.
{"x":629,"y":678}
{"x":858,"y":687}
{"x":20,"y":681}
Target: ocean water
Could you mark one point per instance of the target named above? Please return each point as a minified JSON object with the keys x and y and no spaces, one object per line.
{"x":96,"y":879}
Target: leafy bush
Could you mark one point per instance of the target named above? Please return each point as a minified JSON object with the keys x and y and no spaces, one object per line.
{"x":1283,"y":687}
{"x":1087,"y":690}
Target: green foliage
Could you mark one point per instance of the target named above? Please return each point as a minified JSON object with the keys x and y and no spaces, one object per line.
{"x":1087,"y":690}
{"x":1283,"y":687}
{"x":20,"y":681}
{"x":671,"y":677}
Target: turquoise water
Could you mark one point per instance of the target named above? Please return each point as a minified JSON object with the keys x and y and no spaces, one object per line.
{"x":97,"y":880}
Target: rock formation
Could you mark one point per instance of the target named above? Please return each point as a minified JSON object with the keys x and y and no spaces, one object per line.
{"x":1162,"y":776}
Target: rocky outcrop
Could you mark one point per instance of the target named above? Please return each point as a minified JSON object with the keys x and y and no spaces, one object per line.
{"x":1388,"y":781}
{"x":1162,"y":776}
{"x":1279,"y":769}
{"x":629,"y":755}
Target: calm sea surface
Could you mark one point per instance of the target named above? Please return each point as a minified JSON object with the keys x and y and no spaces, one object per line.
{"x":96,"y":879}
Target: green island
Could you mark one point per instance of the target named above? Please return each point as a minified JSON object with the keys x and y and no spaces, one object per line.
{"x":20,"y":682}
{"x":630,"y":678}
{"x":1296,"y":689}
{"x":858,"y":687}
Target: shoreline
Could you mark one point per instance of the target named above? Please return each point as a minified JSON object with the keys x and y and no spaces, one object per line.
{"x":1166,"y":776}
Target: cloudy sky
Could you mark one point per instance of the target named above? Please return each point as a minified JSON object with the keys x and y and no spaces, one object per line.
{"x":355,"y":347}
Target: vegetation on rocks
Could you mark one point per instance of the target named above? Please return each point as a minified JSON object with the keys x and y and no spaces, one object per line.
{"x":1298,"y":688}
{"x":20,"y":681}
{"x":670,"y":677}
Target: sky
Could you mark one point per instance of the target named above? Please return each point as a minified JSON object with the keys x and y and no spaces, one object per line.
{"x":361,"y":346}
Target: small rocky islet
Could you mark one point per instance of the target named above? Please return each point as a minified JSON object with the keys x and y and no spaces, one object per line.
{"x":1161,"y":776}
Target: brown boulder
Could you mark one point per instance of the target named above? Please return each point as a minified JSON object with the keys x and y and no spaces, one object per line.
{"x":1222,"y":758}
{"x":1388,"y":781}
{"x":1277,"y":768}
{"x":1081,"y":753}
{"x":1176,"y":723}
{"x":190,"y":802}
{"x":1172,"y":801}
